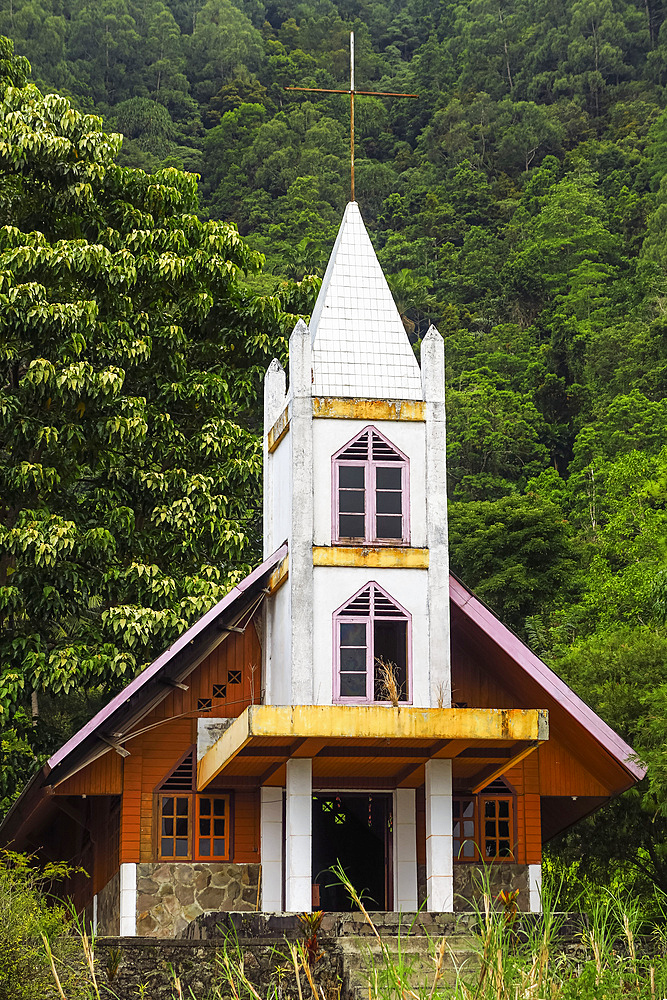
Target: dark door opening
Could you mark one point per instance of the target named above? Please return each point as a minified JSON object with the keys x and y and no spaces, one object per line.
{"x":355,"y":829}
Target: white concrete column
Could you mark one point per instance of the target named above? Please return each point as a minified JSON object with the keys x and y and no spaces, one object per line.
{"x":298,"y":836}
{"x":535,"y":888}
{"x":439,"y":843}
{"x":275,"y":382}
{"x":433,"y":383}
{"x":128,"y":899}
{"x":271,"y":841}
{"x":405,"y":850}
{"x":301,"y":531}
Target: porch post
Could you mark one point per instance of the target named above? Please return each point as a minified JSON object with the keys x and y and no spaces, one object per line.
{"x":298,"y":836}
{"x":405,"y":850}
{"x":128,"y":899}
{"x":439,"y":845}
{"x":535,"y":888}
{"x":271,"y":835}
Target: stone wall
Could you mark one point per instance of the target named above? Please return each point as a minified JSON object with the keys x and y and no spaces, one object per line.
{"x":467,"y":879}
{"x":170,"y":895}
{"x":108,"y":907}
{"x":506,"y":876}
{"x":146,"y":965}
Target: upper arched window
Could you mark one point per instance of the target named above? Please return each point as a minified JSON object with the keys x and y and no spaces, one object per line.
{"x":370,"y":492}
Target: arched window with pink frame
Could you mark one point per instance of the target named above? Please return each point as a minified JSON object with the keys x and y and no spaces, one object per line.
{"x":372,"y":636}
{"x":370,"y":501}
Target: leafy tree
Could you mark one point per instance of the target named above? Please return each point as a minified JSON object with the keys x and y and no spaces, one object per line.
{"x":493,"y":437}
{"x":223,"y":39}
{"x":514,"y":552}
{"x":132,"y":358}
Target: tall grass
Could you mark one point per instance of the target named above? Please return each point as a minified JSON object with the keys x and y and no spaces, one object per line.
{"x":617,"y":955}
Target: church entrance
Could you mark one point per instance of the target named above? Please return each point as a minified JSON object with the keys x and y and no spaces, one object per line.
{"x":356,"y":829}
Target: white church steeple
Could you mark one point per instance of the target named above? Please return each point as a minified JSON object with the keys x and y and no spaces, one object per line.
{"x":360,"y":347}
{"x":355,"y":482}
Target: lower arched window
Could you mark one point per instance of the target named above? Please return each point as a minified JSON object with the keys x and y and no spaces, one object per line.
{"x":372,"y":640}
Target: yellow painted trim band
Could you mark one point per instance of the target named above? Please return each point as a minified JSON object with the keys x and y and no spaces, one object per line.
{"x":369,"y":409}
{"x":279,"y":430}
{"x":386,"y":557}
{"x":279,"y":575}
{"x":370,"y":722}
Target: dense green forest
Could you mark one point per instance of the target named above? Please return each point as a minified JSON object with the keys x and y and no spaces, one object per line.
{"x":520,"y":204}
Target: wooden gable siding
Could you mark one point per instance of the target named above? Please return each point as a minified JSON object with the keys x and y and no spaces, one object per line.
{"x":525,"y":780}
{"x":155,"y":752}
{"x":484,"y":677}
{"x":103,"y":777}
{"x":239,"y":652}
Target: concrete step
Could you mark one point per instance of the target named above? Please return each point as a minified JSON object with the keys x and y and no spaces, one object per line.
{"x":412,"y":956}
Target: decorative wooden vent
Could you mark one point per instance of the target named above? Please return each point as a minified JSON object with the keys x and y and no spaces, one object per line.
{"x":181,"y":778}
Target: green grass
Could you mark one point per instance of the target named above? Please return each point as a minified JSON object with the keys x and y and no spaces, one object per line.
{"x":618,"y":954}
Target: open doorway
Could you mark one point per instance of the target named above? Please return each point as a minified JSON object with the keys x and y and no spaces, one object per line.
{"x":355,"y":829}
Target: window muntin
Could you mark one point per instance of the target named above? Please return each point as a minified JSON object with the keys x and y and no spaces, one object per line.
{"x":483,"y":827}
{"x":369,"y":629}
{"x":175,"y":826}
{"x":370,"y":477}
{"x":212,"y":837}
{"x":496,"y":815}
{"x":191,"y":825}
{"x":464,"y":829}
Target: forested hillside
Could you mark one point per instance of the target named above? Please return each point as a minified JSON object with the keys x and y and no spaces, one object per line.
{"x":520,"y":204}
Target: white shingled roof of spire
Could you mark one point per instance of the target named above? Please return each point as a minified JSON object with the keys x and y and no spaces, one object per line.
{"x":360,"y":347}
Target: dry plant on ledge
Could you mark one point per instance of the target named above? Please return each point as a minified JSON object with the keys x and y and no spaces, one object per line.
{"x":386,"y":674}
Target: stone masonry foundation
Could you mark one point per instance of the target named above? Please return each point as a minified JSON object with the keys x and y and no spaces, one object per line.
{"x":170,"y":896}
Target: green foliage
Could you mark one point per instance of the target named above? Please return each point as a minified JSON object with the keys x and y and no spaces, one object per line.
{"x":26,"y":917}
{"x":132,"y":357}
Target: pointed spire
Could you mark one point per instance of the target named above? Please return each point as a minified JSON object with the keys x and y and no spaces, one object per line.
{"x":360,"y":347}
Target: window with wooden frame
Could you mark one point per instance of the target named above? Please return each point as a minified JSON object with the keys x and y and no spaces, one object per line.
{"x":192,"y":826}
{"x":372,"y":638}
{"x":212,"y":836}
{"x":483,"y":825}
{"x":370,"y":502}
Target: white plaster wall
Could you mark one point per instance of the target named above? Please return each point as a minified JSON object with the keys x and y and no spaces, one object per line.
{"x":278,"y":673}
{"x":333,"y":585}
{"x":278,"y":470}
{"x":330,"y":435}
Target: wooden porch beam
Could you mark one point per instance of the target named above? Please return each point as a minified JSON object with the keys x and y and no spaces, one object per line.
{"x":489,"y":774}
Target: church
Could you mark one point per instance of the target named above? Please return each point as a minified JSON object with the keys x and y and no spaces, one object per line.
{"x":350,"y":700}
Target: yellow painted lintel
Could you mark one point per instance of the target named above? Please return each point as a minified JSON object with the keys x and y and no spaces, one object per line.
{"x":364,"y":722}
{"x":369,"y":409}
{"x":385,"y":556}
{"x":279,"y":575}
{"x":279,"y":430}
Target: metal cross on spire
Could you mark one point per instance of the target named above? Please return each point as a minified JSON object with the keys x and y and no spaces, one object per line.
{"x":352,"y":92}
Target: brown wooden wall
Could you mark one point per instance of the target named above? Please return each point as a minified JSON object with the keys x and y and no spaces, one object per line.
{"x":570,"y":763}
{"x":235,"y":667}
